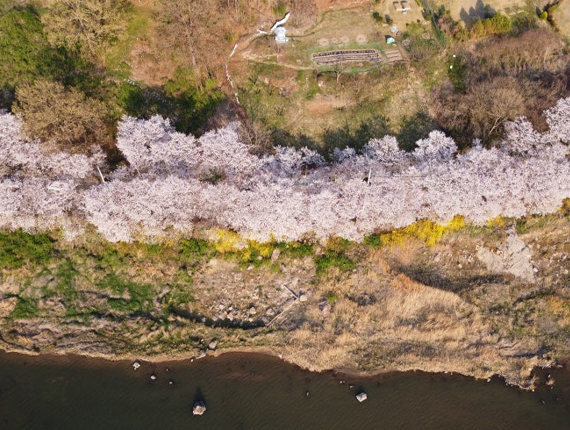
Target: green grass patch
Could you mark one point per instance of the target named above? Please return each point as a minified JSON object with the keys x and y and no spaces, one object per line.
{"x":26,"y":307}
{"x":116,"y":54}
{"x":308,"y":84}
{"x":373,"y":240}
{"x":18,"y":248}
{"x":193,"y":251}
{"x":65,"y":287}
{"x":296,"y":250}
{"x":333,"y":259}
{"x":109,"y":257}
{"x":23,"y":49}
{"x":139,"y":299}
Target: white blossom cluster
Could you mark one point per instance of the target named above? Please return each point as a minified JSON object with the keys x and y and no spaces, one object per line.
{"x":175,"y":182}
{"x":37,"y":188}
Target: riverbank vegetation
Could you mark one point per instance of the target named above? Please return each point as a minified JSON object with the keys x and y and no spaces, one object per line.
{"x":433,"y":301}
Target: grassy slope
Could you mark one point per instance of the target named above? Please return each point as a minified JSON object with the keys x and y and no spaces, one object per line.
{"x":415,"y":298}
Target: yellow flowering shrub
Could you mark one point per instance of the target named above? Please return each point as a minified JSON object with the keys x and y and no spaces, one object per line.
{"x":425,"y":230}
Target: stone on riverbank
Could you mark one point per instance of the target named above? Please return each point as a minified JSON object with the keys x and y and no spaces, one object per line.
{"x":199,"y":408}
{"x":362,"y":396}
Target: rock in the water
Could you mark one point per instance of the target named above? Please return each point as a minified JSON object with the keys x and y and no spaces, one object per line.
{"x":136,"y":364}
{"x":213,"y":344}
{"x":199,"y":408}
{"x":362,"y":396}
{"x":153,"y":376}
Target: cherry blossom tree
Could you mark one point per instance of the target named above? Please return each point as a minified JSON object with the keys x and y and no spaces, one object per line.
{"x":290,"y":195}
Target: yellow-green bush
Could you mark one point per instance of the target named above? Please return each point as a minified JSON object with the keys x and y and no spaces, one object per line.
{"x":425,"y":230}
{"x":565,"y":208}
{"x":227,"y":241}
{"x":498,"y":222}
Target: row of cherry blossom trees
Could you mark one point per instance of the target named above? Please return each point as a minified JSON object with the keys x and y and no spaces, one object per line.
{"x":175,"y":182}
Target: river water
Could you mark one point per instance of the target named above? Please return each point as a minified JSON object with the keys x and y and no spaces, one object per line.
{"x":253,"y":391}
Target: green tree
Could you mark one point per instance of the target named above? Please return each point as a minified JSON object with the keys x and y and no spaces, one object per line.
{"x":478,"y":29}
{"x":52,"y":112}
{"x":498,"y":24}
{"x":90,"y":24}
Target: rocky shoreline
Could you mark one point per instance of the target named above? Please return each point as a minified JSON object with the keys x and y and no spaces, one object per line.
{"x":141,"y":362}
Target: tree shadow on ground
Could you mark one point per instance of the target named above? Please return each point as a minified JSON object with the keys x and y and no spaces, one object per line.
{"x":480,"y":11}
{"x":433,"y":278}
{"x":414,"y":128}
{"x":187,"y":108}
{"x":337,"y":138}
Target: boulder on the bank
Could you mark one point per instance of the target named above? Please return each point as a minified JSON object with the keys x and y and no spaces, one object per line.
{"x":275,"y":255}
{"x":199,"y":408}
{"x":213,"y":344}
{"x":362,"y":396}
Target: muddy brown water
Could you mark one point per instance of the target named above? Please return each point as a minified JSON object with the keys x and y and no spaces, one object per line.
{"x":253,"y":391}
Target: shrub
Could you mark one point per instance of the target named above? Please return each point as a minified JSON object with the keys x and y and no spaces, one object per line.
{"x":425,"y":230}
{"x":296,"y":249}
{"x":498,"y":24}
{"x":497,"y":222}
{"x":332,"y":297}
{"x":478,"y":29}
{"x":64,"y":115}
{"x":333,"y":259}
{"x":565,"y":208}
{"x":227,"y":241}
{"x":373,"y":240}
{"x":192,"y":251}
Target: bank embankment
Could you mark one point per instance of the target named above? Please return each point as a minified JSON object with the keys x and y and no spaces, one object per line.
{"x":478,"y":301}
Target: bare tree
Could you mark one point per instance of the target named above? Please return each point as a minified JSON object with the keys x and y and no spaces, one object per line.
{"x":492,"y":103}
{"x":199,"y":30}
